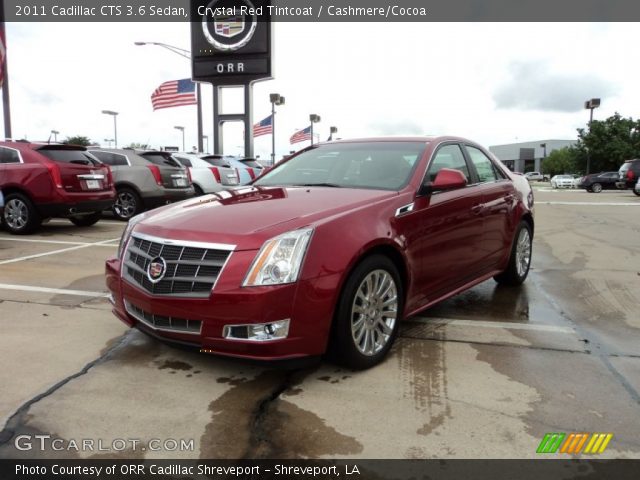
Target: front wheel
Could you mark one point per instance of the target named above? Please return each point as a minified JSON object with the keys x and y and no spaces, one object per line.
{"x":636,"y":190}
{"x":370,"y":306}
{"x":520,"y":258}
{"x":86,"y":220}
{"x":596,"y":188}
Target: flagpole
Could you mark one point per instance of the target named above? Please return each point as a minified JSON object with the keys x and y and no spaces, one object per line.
{"x":273,"y":133}
{"x":5,"y":77}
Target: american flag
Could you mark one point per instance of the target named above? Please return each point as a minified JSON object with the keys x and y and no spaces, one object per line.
{"x":174,"y":94}
{"x":263,"y":127}
{"x":301,"y":136}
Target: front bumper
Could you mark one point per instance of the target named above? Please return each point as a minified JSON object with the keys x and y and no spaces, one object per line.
{"x":307,"y":304}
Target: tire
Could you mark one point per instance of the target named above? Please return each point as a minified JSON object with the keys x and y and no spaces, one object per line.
{"x":364,"y":327}
{"x":86,"y":220}
{"x":519,"y":259}
{"x":588,"y":189}
{"x":553,"y":185}
{"x":128,"y":204}
{"x":20,"y":216}
{"x":198,"y":191}
{"x":596,"y":188}
{"x":636,"y":190}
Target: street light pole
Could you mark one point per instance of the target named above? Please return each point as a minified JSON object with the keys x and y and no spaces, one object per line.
{"x":590,"y":105}
{"x":332,"y":130}
{"x":313,"y":118}
{"x":186,"y":54}
{"x":275,"y":99}
{"x":177,"y":127}
{"x":55,"y":135}
{"x":115,"y":124}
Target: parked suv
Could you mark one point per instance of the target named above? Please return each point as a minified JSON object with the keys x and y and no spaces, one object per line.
{"x":628,"y":175}
{"x":206,"y":178}
{"x":40,"y":181}
{"x":596,"y":182}
{"x":144,"y":179}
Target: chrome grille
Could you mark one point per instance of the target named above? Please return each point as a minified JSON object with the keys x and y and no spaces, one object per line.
{"x":191,"y":269}
{"x":162,"y":322}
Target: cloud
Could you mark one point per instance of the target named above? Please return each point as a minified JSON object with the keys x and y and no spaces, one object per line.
{"x":533,"y":87}
{"x":401,"y":127}
{"x":42,"y":98}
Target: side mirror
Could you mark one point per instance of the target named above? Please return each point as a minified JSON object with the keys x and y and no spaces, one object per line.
{"x":446,"y":179}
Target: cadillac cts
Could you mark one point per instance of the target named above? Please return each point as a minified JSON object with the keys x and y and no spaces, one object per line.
{"x":328,"y":251}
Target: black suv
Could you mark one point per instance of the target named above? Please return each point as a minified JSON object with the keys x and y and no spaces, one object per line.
{"x":628,"y":175}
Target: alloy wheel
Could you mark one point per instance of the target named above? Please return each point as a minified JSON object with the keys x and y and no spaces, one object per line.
{"x":16,"y":214}
{"x":374,"y":312}
{"x":126,"y":205}
{"x":523,"y":252}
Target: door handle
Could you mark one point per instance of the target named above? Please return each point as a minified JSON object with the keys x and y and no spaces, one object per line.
{"x":477,"y":208}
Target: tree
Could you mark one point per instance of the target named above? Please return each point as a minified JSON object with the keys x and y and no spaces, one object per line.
{"x":609,"y":143}
{"x":563,"y":160}
{"x":78,"y":140}
{"x":138,"y":146}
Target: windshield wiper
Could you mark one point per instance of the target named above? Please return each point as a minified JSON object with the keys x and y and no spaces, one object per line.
{"x":334,"y":185}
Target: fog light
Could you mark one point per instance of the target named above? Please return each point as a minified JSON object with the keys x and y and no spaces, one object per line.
{"x":257,"y":332}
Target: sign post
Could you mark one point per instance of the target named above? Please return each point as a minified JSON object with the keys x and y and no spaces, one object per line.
{"x":231,"y":45}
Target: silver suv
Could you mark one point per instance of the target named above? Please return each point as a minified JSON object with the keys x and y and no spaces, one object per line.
{"x":144,"y":179}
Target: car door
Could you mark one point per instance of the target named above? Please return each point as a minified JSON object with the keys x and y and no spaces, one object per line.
{"x":496,"y":207}
{"x":442,"y":231}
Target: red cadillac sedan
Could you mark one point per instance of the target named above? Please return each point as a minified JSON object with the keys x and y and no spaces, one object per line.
{"x":329,"y":250}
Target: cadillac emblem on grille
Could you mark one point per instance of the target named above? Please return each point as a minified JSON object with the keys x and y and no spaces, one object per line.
{"x":156,"y":270}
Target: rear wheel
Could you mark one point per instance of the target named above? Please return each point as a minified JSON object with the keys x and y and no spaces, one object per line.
{"x":198,"y":190}
{"x":20,"y":215}
{"x":596,"y":188}
{"x":368,"y":312}
{"x":128,"y":204}
{"x":520,"y":258}
{"x":86,"y":220}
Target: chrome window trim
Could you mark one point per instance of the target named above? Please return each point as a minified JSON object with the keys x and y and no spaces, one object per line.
{"x":184,"y":243}
{"x":15,"y":150}
{"x":161,"y":329}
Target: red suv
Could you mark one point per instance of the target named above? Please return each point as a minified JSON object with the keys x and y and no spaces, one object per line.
{"x":40,"y":181}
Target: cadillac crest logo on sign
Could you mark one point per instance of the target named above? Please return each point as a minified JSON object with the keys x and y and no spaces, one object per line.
{"x":228,"y":25}
{"x":156,"y":269}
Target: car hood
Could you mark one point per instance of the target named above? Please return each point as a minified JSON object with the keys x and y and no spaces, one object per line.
{"x":249,"y":216}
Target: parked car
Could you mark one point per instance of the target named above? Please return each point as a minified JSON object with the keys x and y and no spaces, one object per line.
{"x":329,"y":249}
{"x":596,"y":182}
{"x":144,"y":179}
{"x":40,"y":181}
{"x":636,"y":189}
{"x":563,"y":181}
{"x":206,"y":178}
{"x":629,"y":174}
{"x":246,"y":174}
{"x":252,"y":163}
{"x":536,"y":176}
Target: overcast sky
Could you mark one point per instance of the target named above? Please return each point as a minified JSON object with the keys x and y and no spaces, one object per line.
{"x":493,"y":83}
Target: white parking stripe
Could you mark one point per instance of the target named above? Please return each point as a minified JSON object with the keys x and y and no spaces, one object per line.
{"x":488,"y":324}
{"x":63,"y":250}
{"x":610,"y":204}
{"x":57,"y":291}
{"x":53,"y":242}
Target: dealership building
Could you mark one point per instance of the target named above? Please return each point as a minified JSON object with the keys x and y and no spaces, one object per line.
{"x":527,"y":156}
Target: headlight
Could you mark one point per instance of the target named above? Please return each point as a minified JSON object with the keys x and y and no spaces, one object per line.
{"x":127,"y":232}
{"x":279,"y":260}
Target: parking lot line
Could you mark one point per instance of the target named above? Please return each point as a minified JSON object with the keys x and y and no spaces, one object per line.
{"x":53,"y":242}
{"x":57,"y":291}
{"x":608,"y":204}
{"x":488,"y":324}
{"x":62,"y":250}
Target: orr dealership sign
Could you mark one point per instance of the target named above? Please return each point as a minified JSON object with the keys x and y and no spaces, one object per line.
{"x":231,"y":41}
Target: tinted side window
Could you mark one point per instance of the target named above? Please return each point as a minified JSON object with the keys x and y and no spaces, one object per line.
{"x":8,"y":155}
{"x":217,"y":162}
{"x":449,"y":156}
{"x":81,"y":157}
{"x":184,"y":161}
{"x":484,"y":166}
{"x":109,"y":158}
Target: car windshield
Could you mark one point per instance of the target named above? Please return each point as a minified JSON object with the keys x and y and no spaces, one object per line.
{"x":375,"y":165}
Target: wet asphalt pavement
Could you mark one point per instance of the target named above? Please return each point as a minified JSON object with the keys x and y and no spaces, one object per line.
{"x":485,"y":374}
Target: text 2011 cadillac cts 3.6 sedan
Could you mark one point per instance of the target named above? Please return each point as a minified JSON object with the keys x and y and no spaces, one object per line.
{"x":327,"y":251}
